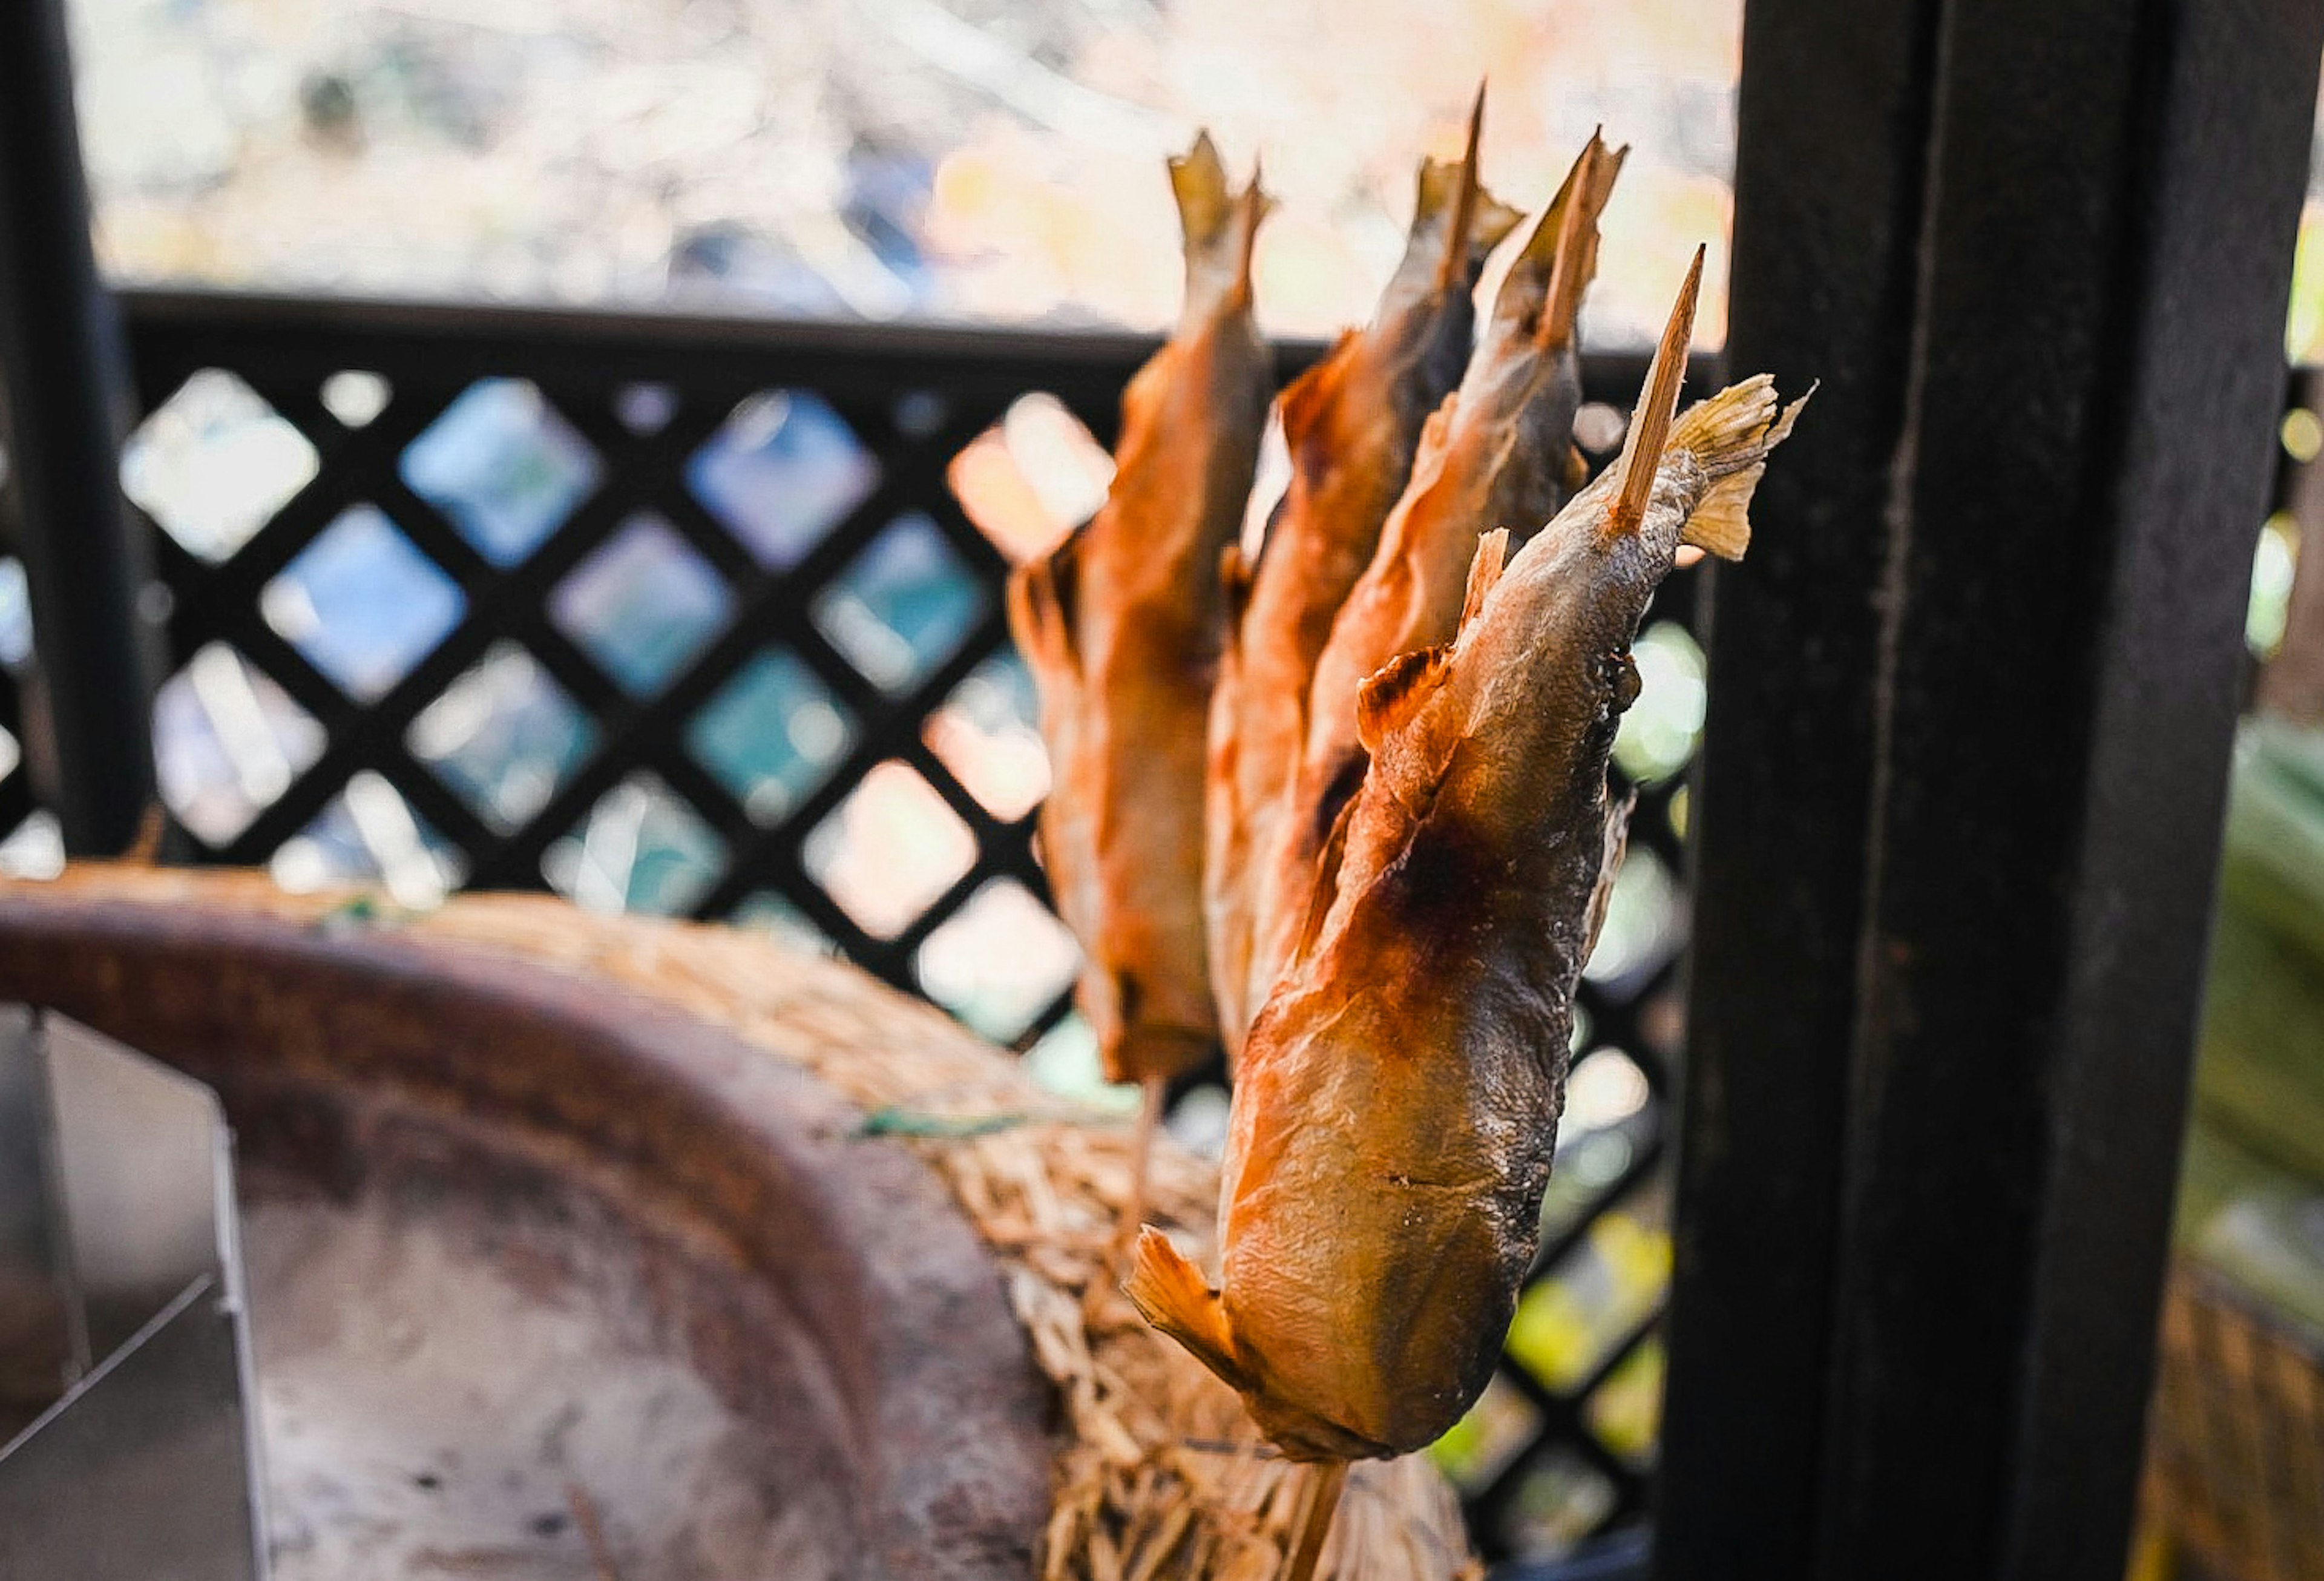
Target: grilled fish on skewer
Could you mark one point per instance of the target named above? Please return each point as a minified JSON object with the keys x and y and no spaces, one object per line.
{"x":1350,"y":423}
{"x":1121,"y":626}
{"x":1399,"y":1095}
{"x":1498,"y":453}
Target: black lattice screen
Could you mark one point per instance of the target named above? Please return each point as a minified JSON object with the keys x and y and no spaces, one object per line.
{"x":515,"y":599}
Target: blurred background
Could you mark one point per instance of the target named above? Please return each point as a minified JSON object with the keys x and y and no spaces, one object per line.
{"x":990,"y":163}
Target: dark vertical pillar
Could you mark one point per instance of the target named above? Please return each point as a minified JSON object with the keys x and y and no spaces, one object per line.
{"x":89,"y":724}
{"x":1955,"y":1134}
{"x":1834,"y":108}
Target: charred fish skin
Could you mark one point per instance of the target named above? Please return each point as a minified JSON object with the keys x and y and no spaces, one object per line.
{"x":1352,"y":425}
{"x":1397,"y":1102}
{"x":1497,"y":453}
{"x":1121,"y":628}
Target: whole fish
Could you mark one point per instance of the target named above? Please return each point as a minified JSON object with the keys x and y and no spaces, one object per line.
{"x":1122,"y":626}
{"x":1396,"y":1105}
{"x":1498,"y":453}
{"x":1350,"y":424}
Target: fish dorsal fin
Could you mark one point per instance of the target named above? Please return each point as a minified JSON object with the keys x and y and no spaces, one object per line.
{"x":1324,"y":886}
{"x":1436,"y":431}
{"x":1484,"y":572}
{"x":1398,"y":690}
{"x":1428,"y":460}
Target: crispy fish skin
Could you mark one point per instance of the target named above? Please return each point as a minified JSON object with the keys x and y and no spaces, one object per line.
{"x":1397,"y":1102}
{"x":1352,"y":425}
{"x":1121,"y":628}
{"x":1499,"y":452}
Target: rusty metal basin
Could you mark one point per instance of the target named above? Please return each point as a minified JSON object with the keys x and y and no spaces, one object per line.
{"x":550,"y":1282}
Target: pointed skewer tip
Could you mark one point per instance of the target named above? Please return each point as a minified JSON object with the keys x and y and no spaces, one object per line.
{"x":1562,"y":296}
{"x":1254,"y":206}
{"x":1449,"y":269}
{"x":1650,"y":424}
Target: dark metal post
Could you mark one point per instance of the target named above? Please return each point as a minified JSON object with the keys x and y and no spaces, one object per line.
{"x":88,"y":724}
{"x":1971,"y":709}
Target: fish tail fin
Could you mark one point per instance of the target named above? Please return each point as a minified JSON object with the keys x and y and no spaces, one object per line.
{"x":1730,"y":434}
{"x":1220,"y":227}
{"x":1170,"y":1293}
{"x":1540,"y":297}
{"x":1452,"y":247}
{"x":1650,"y":424}
{"x":1198,"y":179}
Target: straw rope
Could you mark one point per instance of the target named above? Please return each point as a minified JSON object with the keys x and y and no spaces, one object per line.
{"x":1157,"y":1472}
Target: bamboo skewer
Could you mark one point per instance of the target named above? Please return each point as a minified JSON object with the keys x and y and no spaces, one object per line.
{"x":1319,"y":1502}
{"x":1153,"y":1093}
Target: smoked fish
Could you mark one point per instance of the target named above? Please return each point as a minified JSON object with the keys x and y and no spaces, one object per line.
{"x":1122,"y":626}
{"x":1499,"y":452}
{"x":1396,"y":1103}
{"x":1351,"y":425}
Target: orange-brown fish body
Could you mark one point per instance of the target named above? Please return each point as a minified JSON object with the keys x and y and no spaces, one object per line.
{"x":1350,"y":424}
{"x":1498,"y":453}
{"x":1121,"y":627}
{"x":1397,"y":1099}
